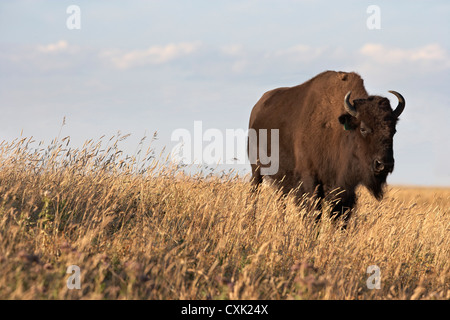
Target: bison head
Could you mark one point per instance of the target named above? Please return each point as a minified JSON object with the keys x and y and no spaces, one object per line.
{"x":371,"y":123}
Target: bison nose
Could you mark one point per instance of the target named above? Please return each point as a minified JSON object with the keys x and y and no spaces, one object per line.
{"x":380,"y":165}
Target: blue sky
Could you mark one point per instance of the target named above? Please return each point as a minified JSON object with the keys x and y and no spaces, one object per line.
{"x":145,"y":66}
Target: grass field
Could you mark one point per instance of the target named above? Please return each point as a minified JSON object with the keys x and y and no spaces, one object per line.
{"x":138,"y":229}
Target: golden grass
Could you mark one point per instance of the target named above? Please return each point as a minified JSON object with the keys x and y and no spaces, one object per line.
{"x":142,"y":230}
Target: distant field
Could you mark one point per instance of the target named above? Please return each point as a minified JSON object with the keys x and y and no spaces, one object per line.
{"x":139,"y":230}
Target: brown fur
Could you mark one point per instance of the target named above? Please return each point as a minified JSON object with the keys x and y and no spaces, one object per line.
{"x":316,"y":154}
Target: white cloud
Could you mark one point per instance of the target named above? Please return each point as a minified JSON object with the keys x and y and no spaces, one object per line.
{"x":152,"y":55}
{"x":431,"y":55}
{"x":57,"y":56}
{"x":59,"y":46}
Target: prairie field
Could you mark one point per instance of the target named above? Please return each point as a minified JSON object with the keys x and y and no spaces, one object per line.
{"x":138,"y":228}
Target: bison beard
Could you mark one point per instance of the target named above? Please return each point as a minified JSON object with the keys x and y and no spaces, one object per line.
{"x":332,"y":136}
{"x":376,"y":184}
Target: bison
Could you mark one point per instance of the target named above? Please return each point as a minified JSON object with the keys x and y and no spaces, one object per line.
{"x":332,"y":136}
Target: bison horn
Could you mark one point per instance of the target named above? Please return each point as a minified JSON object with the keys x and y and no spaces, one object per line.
{"x":348,"y":106}
{"x":401,"y":104}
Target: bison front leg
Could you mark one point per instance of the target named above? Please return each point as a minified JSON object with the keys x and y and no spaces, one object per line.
{"x":257,"y":178}
{"x":313,"y":188}
{"x":344,"y":207}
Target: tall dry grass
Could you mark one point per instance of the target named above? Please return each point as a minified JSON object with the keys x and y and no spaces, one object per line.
{"x":139,"y":229}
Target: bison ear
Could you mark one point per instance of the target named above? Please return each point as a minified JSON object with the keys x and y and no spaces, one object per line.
{"x":347,"y":121}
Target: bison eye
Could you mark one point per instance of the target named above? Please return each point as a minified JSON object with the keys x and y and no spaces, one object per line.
{"x":364,"y":131}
